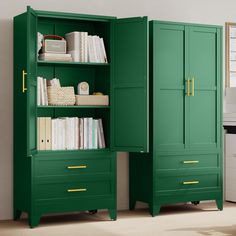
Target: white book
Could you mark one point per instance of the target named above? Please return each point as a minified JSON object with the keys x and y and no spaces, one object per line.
{"x":53,"y":134}
{"x":63,"y":131}
{"x":82,"y":57}
{"x":91,"y":49}
{"x":85,"y":133}
{"x":67,"y":130}
{"x":90,"y":133}
{"x":81,"y":131}
{"x":48,"y":131}
{"x":96,"y":59}
{"x":99,"y":135}
{"x":38,"y":92}
{"x":95,"y":134}
{"x":99,"y":51}
{"x":76,"y":122}
{"x":42,"y":98}
{"x":102,"y":133}
{"x":45,"y":92}
{"x":85,"y":36}
{"x":104,"y":50}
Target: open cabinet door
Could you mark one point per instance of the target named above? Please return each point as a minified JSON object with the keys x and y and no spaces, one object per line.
{"x":30,"y":81}
{"x":129,"y":85}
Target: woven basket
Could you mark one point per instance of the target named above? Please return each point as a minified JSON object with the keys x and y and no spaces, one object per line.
{"x":61,"y":96}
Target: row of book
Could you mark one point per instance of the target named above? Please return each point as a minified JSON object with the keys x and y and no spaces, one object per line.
{"x":42,"y":93}
{"x":70,"y":133}
{"x":86,"y":48}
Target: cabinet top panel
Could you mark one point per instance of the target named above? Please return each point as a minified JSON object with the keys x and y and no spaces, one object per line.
{"x":186,"y":24}
{"x":74,"y":16}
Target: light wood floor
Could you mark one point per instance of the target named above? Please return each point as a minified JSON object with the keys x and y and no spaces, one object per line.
{"x":178,"y":220}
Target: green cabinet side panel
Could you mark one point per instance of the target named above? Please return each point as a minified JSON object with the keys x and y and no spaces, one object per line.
{"x":129,"y":88}
{"x":31,"y":81}
{"x":169,"y":92}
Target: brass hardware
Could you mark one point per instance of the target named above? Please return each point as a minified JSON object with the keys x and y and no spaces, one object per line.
{"x":190,"y":182}
{"x":188,"y":87}
{"x":77,"y":190}
{"x":23,"y":81}
{"x":190,"y":162}
{"x":193,"y":87}
{"x":76,"y":167}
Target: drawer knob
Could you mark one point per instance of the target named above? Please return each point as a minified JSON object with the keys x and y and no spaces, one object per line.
{"x":76,"y":167}
{"x":190,"y":182}
{"x":76,"y":190}
{"x":190,"y":162}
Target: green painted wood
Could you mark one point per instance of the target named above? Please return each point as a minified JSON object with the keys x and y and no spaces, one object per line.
{"x":42,"y":178}
{"x":169,"y":90}
{"x":22,"y":163}
{"x":203,"y":69}
{"x":185,"y":128}
{"x":129,"y":88}
{"x":31,"y":81}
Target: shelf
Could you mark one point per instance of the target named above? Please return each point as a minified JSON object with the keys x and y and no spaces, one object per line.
{"x":65,"y":63}
{"x":72,"y":151}
{"x":73,"y":107}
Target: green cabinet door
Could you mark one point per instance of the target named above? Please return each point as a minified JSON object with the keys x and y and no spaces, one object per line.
{"x":129,"y":85}
{"x":169,"y":86}
{"x":203,"y":109}
{"x":30,"y":81}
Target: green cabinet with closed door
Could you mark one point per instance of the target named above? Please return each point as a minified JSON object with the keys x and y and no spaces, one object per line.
{"x":185,"y":159}
{"x":56,"y":181}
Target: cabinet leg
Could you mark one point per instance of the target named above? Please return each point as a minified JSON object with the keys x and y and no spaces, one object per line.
{"x":17,"y":214}
{"x":219,"y":204}
{"x":154,"y":210}
{"x":112,"y":214}
{"x":33,"y":220}
{"x":132,"y":204}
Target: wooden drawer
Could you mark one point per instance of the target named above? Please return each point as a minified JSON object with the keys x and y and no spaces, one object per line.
{"x":94,"y":164}
{"x":71,"y":189}
{"x":187,"y":182}
{"x":187,"y":161}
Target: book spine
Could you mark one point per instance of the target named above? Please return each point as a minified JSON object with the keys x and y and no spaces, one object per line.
{"x":104,"y":50}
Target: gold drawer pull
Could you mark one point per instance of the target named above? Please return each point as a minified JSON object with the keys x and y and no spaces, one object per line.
{"x":190,"y":162}
{"x":76,"y":190}
{"x":190,"y":182}
{"x":76,"y":167}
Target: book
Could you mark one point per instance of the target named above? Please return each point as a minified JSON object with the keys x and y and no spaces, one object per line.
{"x":48,"y":131}
{"x":90,"y":133}
{"x":42,"y":134}
{"x":81,"y":131}
{"x":104,"y":50}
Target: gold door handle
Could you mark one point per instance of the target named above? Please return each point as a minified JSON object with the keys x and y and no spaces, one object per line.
{"x":190,"y":182}
{"x":76,"y":190}
{"x":190,"y":162}
{"x":193,"y":88}
{"x":188,"y":87}
{"x":23,"y":81}
{"x":77,"y":167}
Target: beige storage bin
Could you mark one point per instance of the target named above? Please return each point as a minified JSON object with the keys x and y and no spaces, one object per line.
{"x":61,"y":96}
{"x":92,"y":100}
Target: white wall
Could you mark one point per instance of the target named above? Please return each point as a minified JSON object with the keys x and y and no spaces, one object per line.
{"x":199,"y":11}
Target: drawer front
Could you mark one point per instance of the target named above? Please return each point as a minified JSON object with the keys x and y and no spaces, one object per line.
{"x":187,"y":182}
{"x":51,"y":166}
{"x":187,"y":161}
{"x":73,"y":189}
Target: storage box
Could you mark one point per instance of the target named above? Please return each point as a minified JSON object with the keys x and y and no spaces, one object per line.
{"x":61,"y":96}
{"x":92,"y":100}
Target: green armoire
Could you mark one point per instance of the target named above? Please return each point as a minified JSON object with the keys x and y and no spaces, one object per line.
{"x":185,"y":159}
{"x":56,"y":181}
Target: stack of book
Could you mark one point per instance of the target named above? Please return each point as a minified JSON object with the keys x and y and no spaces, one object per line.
{"x":55,"y":57}
{"x":42,"y":91}
{"x":86,"y":48}
{"x":70,"y":133}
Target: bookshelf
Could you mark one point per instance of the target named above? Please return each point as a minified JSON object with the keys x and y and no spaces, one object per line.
{"x":56,"y":181}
